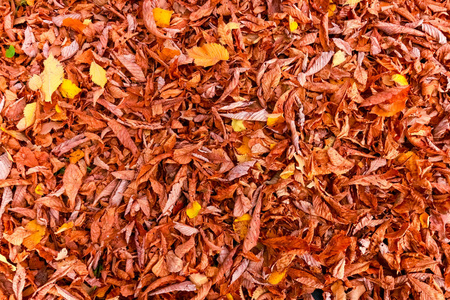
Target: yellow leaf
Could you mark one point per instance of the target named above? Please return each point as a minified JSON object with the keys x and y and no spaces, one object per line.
{"x":87,"y":21}
{"x":64,"y":227}
{"x":37,"y":233}
{"x":4,"y":260}
{"x":238,"y":125}
{"x":292,"y":24}
{"x":75,"y":156}
{"x":98,"y":74}
{"x":35,"y":82}
{"x":229,"y":296}
{"x":288,"y":172}
{"x":30,"y":2}
{"x":276,"y":277}
{"x":240,"y":225}
{"x":274,"y":119}
{"x":244,"y":148}
{"x":52,"y":77}
{"x":400,"y":79}
{"x":193,"y":211}
{"x":162,"y":17}
{"x":331,"y":9}
{"x":425,"y":220}
{"x":16,"y":134}
{"x":39,"y":189}
{"x":29,"y":116}
{"x":208,"y":54}
{"x":68,"y":89}
{"x":338,"y":58}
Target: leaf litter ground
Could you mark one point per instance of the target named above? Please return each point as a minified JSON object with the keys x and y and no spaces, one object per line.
{"x":224,"y":149}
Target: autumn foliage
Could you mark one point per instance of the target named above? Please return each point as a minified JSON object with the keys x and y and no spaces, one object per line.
{"x":224,"y":149}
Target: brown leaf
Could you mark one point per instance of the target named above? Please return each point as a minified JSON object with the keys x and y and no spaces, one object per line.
{"x":123,"y":135}
{"x":72,"y":180}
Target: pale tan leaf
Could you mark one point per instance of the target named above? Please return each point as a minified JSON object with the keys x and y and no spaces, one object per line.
{"x":52,"y":77}
{"x":185,"y":286}
{"x":435,"y":33}
{"x":29,"y":46}
{"x":128,"y":61}
{"x":260,"y":115}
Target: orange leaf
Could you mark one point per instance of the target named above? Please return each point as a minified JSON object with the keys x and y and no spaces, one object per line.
{"x":75,"y":24}
{"x":208,"y":54}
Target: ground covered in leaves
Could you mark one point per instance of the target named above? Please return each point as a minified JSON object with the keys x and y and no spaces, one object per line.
{"x":224,"y":149}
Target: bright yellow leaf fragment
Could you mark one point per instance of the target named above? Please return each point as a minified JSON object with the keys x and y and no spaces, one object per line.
{"x":64,"y":227}
{"x":331,"y":9}
{"x":288,"y":172}
{"x":400,"y":79}
{"x":35,"y":82}
{"x":193,"y":211}
{"x":98,"y":74}
{"x":75,"y":156}
{"x":238,"y":125}
{"x":292,"y":24}
{"x":68,"y":89}
{"x":276,"y":277}
{"x":29,"y":116}
{"x":39,"y":189}
{"x":338,"y":58}
{"x":240,"y":225}
{"x":208,"y":54}
{"x":52,"y":77}
{"x":162,"y":17}
{"x":4,"y":260}
{"x":229,"y":296}
{"x":425,"y":220}
{"x":37,"y":233}
{"x":274,"y":119}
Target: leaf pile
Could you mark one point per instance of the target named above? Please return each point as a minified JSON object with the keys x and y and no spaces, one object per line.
{"x":224,"y":149}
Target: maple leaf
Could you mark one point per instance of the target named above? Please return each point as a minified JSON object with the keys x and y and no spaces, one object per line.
{"x":208,"y":54}
{"x":52,"y":77}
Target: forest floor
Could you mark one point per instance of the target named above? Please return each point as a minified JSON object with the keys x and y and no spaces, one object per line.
{"x":227,"y":149}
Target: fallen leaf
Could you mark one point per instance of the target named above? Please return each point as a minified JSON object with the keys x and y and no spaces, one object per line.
{"x":238,"y":125}
{"x":208,"y":54}
{"x":52,"y":77}
{"x":276,"y":277}
{"x":29,"y":116}
{"x":68,"y":89}
{"x":98,"y":74}
{"x":193,"y":211}
{"x":162,"y":17}
{"x":37,"y":233}
{"x":72,"y":181}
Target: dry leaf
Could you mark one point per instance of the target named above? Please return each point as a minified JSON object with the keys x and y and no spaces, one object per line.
{"x":52,"y":77}
{"x":72,"y":180}
{"x":98,"y":74}
{"x":208,"y":54}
